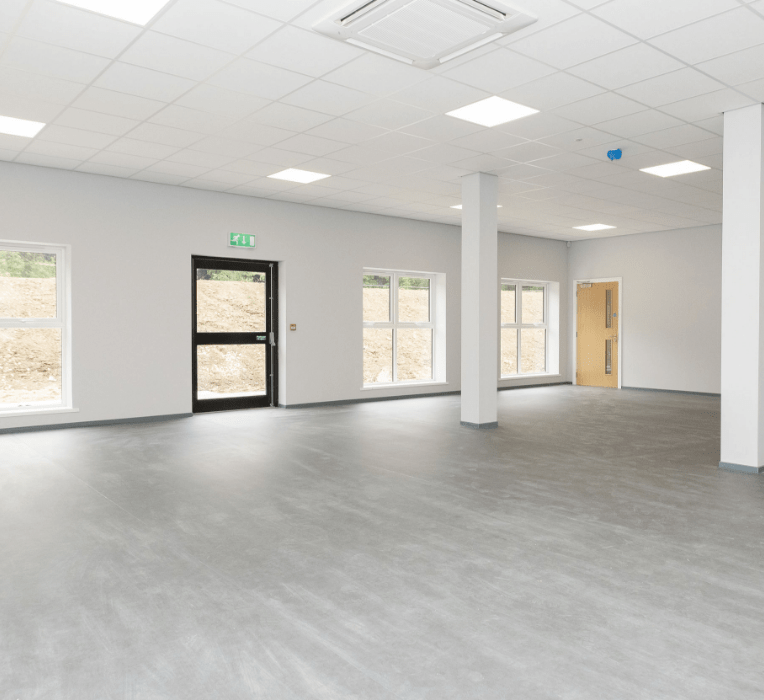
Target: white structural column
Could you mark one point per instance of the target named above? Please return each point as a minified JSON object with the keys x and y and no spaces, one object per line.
{"x":742,"y":446}
{"x":480,"y":300}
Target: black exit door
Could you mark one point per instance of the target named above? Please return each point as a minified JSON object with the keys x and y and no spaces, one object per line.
{"x":235,"y":334}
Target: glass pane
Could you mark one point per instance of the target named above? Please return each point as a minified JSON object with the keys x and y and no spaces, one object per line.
{"x":533,"y":304}
{"x":413,"y":300}
{"x":30,"y":366}
{"x":377,"y":355}
{"x":509,"y":303}
{"x":229,"y":301}
{"x":27,"y":285}
{"x":227,"y":371}
{"x":376,"y":298}
{"x":533,"y":350}
{"x":414,"y":354}
{"x":508,"y":351}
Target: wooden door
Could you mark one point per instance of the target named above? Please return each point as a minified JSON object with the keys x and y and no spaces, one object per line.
{"x":597,"y":334}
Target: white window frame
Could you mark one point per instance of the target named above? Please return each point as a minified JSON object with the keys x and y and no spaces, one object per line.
{"x":394,"y":324}
{"x":61,"y":321}
{"x":519,"y":325}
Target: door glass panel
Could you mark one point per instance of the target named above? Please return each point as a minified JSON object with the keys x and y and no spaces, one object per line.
{"x":230,"y":301}
{"x":414,"y":354}
{"x":27,"y":285}
{"x":413,"y":300}
{"x":533,"y":350}
{"x":509,"y":303}
{"x":30,"y":366}
{"x":533,"y":304}
{"x":376,"y":298}
{"x":227,"y":371}
{"x":609,"y":308}
{"x":508,"y":351}
{"x":377,"y":355}
{"x":608,"y":356}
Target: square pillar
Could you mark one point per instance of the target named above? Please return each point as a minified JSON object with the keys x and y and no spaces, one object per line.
{"x":480,"y":301}
{"x":742,"y":446}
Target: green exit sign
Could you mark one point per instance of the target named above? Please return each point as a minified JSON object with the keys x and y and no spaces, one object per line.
{"x":241,"y":240}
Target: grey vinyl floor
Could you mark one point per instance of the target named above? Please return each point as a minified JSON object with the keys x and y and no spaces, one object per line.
{"x":587,"y":549}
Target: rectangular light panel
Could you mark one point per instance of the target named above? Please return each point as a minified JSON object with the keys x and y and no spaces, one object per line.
{"x":593,"y":227}
{"x":135,"y":11}
{"x":20,"y":127}
{"x":304,"y":177}
{"x":492,"y":111}
{"x":671,"y":169}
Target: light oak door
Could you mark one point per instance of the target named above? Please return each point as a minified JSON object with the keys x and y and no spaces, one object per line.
{"x":597,"y":334}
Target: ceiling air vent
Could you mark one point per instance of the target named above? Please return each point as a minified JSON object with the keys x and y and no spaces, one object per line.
{"x":423,"y":33}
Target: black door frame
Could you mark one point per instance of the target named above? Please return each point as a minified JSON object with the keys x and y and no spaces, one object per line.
{"x":270,"y":338}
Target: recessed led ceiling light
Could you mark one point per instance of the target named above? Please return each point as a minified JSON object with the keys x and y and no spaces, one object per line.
{"x":492,"y":111}
{"x":670,"y":169}
{"x":302,"y":176}
{"x":20,"y":127}
{"x":135,"y":11}
{"x":594,"y":227}
{"x":459,"y":206}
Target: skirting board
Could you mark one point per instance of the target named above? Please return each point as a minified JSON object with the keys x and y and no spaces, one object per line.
{"x":730,"y":467}
{"x":346,"y":402}
{"x":479,"y":426}
{"x":96,"y":423}
{"x":671,"y":391}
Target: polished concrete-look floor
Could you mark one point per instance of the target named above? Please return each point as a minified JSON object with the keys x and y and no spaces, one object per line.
{"x":587,"y":549}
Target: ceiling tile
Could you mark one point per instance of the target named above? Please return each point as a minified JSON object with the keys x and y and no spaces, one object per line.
{"x":346,"y":130}
{"x":705,"y":106}
{"x":376,"y":75}
{"x":528,"y":151}
{"x":637,"y":124}
{"x":671,"y":87}
{"x":64,"y":25}
{"x":258,"y":79}
{"x":217,"y":100}
{"x":283,"y":11}
{"x":166,"y":135}
{"x":304,"y":52}
{"x":647,"y":18}
{"x":676,"y":136}
{"x":143,"y":82}
{"x":499,"y":70}
{"x":60,"y":150}
{"x":538,"y":126}
{"x":439,"y":94}
{"x":552,"y":91}
{"x":117,"y":103}
{"x":160,"y":178}
{"x":484,"y":163}
{"x":229,"y":176}
{"x":754,"y":90}
{"x":488,"y":141}
{"x":27,"y":108}
{"x":737,"y":68}
{"x":578,"y":139}
{"x":47,"y":161}
{"x":396,"y":143}
{"x":289,"y":117}
{"x":328,"y":98}
{"x":254,"y":132}
{"x":10,"y":12}
{"x":183,"y":170}
{"x":630,"y":65}
{"x":36,"y":86}
{"x":280,"y":158}
{"x":123,"y":160}
{"x":75,"y":137}
{"x":200,"y":159}
{"x":175,"y":56}
{"x":563,"y":46}
{"x":224,"y":147}
{"x":445,"y":153}
{"x":50,"y":60}
{"x":523,"y":171}
{"x":311,"y":145}
{"x":443,"y":127}
{"x":599,"y":109}
{"x":249,"y":167}
{"x":389,"y":115}
{"x":717,"y":36}
{"x":103,"y":169}
{"x":216,"y":24}
{"x":145,"y":149}
{"x":191,"y":119}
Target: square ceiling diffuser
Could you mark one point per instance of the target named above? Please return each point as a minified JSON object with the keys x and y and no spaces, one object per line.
{"x":423,"y":33}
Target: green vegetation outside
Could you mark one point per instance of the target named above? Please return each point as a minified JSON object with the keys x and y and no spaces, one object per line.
{"x":27,"y":265}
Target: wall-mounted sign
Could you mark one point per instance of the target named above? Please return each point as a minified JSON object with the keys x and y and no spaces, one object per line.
{"x":241,"y":240}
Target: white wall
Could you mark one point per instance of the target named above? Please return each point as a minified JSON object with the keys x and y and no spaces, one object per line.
{"x":131,"y":283}
{"x":671,"y":316}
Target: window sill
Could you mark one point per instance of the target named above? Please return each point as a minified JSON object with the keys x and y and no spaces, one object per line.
{"x":36,"y":412}
{"x":515,"y":377}
{"x":400,"y":385}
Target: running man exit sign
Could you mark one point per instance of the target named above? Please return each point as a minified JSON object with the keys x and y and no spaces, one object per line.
{"x":241,"y":240}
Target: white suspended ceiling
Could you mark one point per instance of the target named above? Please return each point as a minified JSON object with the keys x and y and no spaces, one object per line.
{"x":219,"y":95}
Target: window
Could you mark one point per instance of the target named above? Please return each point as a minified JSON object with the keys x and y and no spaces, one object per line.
{"x":34,"y":335}
{"x":398,"y":327}
{"x":524,"y":327}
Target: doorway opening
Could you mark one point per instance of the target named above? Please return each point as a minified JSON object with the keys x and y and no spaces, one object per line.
{"x":598,"y":332}
{"x":234,"y":334}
